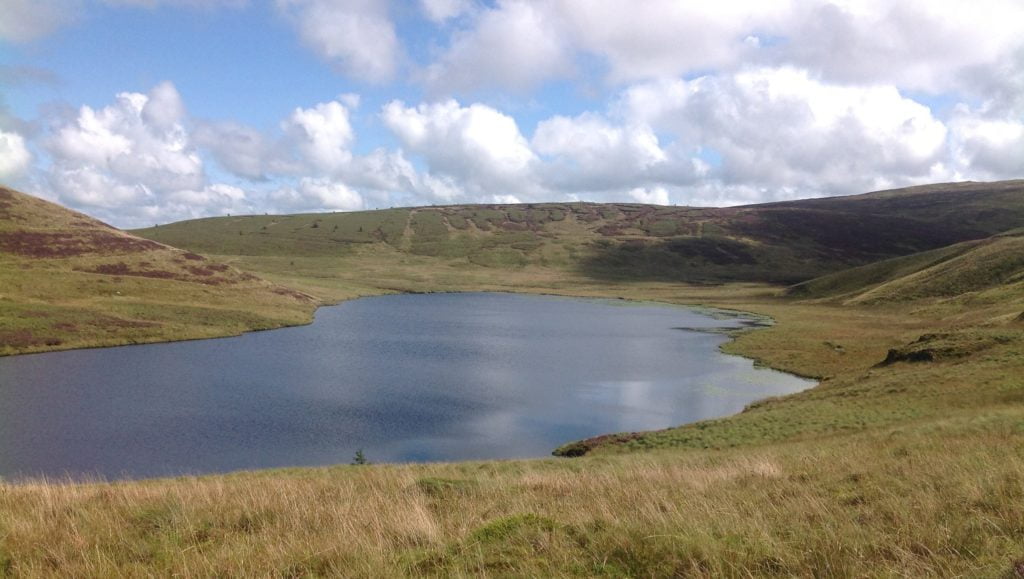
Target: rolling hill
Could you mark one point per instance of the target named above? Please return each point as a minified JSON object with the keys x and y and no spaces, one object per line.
{"x":905,"y":460}
{"x":70,"y":281}
{"x":779,"y":243}
{"x":982,"y":270}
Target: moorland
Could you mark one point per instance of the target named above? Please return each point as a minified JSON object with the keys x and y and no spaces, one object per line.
{"x":906,"y":459}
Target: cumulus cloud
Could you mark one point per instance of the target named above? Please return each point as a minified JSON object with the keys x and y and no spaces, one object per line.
{"x":241,"y":149}
{"x":721,"y":103}
{"x":442,"y":10}
{"x":990,"y":147}
{"x":924,"y":44}
{"x":654,"y":196}
{"x":134,"y":162}
{"x":205,"y":4}
{"x":927,"y":45}
{"x":14,"y":156}
{"x":516,"y":46}
{"x":663,"y":38}
{"x":140,"y":139}
{"x":782,"y":128}
{"x":357,"y":36}
{"x":316,"y":195}
{"x":27,"y":20}
{"x":589,"y":152}
{"x":323,"y":135}
{"x":477,"y":145}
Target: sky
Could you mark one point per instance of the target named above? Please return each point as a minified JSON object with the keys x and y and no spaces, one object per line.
{"x":143,"y":112}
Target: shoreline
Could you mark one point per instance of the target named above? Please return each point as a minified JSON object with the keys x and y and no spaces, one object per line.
{"x":750,"y":322}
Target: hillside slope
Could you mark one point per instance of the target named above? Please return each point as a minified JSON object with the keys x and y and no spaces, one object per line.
{"x":68,"y":281}
{"x":983,"y":270}
{"x":772,"y":243}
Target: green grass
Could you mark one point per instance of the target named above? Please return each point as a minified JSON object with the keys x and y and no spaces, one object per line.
{"x":943,"y":499}
{"x":68,"y":281}
{"x":776,"y":243}
{"x":975,"y":267}
{"x":906,"y":460}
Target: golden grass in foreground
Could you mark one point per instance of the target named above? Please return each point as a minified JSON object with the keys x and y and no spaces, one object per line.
{"x":912,"y":469}
{"x":906,"y":470}
{"x":943,"y":501}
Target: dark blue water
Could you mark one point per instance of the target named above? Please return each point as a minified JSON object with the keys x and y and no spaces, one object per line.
{"x":404,"y":378}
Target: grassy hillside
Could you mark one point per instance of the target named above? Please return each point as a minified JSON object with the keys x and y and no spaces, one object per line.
{"x":904,"y":469}
{"x":773,"y":243}
{"x":69,"y":281}
{"x":907,"y":459}
{"x":914,"y":338}
{"x":975,"y":270}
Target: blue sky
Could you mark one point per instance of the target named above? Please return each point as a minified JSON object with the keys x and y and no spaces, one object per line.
{"x":143,"y":111}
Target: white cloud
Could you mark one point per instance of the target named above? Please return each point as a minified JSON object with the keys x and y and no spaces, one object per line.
{"x":133,"y":162}
{"x":914,"y":44}
{"x":313,"y":140}
{"x":991,"y":147}
{"x":588,"y":152}
{"x":355,"y":35}
{"x":86,"y":185}
{"x":505,"y":199}
{"x":163,"y":109}
{"x":782,"y":128}
{"x":323,"y":135}
{"x":440,"y":11}
{"x":27,"y":20}
{"x":140,"y":139}
{"x":478,"y":146}
{"x":242,"y":150}
{"x":927,"y":45}
{"x":654,"y":196}
{"x":204,"y":4}
{"x":516,"y":46}
{"x":316,"y":195}
{"x":15,"y":157}
{"x":663,"y":38}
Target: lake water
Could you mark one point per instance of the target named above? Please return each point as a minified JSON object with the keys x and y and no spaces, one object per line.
{"x":403,"y":377}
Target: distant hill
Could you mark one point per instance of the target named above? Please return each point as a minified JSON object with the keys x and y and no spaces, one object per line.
{"x":983,"y":269}
{"x":784,"y":243}
{"x":68,"y":280}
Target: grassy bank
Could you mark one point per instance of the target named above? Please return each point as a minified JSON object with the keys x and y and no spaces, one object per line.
{"x":905,"y":468}
{"x":70,"y":281}
{"x":907,"y":459}
{"x":944,"y":499}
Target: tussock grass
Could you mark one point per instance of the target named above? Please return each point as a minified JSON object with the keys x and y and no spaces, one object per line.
{"x":69,"y":281}
{"x":907,"y":460}
{"x":895,"y":502}
{"x":911,"y":469}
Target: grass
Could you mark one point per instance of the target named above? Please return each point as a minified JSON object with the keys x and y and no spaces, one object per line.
{"x":907,"y":459}
{"x":887,"y":503}
{"x":909,"y":469}
{"x":776,"y":243}
{"x":68,"y":281}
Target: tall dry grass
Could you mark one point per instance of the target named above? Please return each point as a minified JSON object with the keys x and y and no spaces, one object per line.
{"x":903,"y":502}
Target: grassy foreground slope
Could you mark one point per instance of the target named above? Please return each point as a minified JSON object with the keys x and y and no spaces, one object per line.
{"x":907,"y":460}
{"x":904,"y":469}
{"x":70,"y":281}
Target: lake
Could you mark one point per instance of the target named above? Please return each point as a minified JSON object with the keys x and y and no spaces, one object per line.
{"x":432,"y":377}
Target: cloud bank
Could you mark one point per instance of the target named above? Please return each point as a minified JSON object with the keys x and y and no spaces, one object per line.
{"x":658,"y":102}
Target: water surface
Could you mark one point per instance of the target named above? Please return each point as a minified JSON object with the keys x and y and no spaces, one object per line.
{"x":404,"y":378}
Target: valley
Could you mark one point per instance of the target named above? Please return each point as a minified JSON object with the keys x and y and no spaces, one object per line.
{"x":907,"y":459}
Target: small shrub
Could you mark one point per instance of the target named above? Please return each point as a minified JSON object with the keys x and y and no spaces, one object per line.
{"x":360,"y":459}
